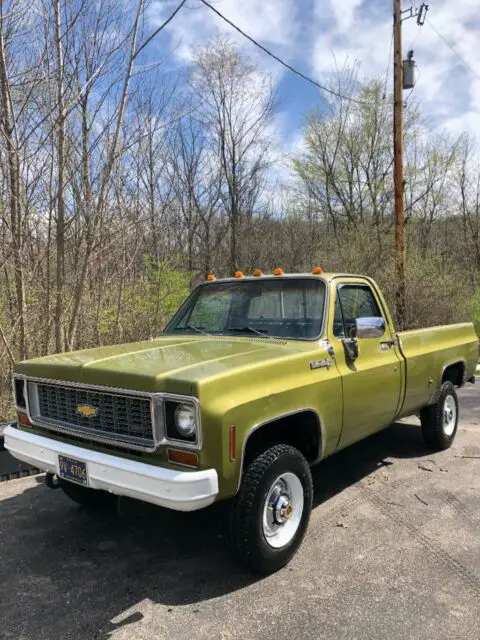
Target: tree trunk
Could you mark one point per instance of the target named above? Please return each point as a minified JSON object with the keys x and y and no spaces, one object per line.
{"x":13,"y":163}
{"x":60,"y":237}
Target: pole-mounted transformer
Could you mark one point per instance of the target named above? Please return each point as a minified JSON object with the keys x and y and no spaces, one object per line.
{"x":409,"y":72}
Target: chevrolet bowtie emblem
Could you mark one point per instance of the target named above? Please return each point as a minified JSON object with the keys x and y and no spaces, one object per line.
{"x":86,"y":410}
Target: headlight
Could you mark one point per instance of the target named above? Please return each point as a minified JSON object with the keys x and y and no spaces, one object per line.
{"x":186,"y":420}
{"x":181,"y":421}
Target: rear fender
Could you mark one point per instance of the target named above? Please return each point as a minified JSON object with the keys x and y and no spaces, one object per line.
{"x":436,"y":393}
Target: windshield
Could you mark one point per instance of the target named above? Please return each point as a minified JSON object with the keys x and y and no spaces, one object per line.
{"x":283,"y":308}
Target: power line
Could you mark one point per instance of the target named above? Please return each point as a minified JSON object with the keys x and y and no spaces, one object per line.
{"x":282,"y":62}
{"x":389,"y":64}
{"x":157,"y":31}
{"x":412,"y":45}
{"x":450,"y":46}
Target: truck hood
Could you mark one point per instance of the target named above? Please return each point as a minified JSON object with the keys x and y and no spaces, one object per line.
{"x":168,"y":363}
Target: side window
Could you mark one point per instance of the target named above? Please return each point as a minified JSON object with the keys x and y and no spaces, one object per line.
{"x":356,"y":301}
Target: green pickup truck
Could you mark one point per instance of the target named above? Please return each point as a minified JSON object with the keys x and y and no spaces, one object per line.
{"x":253,"y":380}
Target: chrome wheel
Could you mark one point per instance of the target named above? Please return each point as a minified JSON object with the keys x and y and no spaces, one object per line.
{"x":449,"y":415}
{"x":283,"y":510}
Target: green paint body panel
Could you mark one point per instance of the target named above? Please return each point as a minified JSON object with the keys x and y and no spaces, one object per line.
{"x":249,"y":381}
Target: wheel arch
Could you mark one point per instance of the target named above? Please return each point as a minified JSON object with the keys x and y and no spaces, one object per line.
{"x":455,"y":373}
{"x":309,"y":438}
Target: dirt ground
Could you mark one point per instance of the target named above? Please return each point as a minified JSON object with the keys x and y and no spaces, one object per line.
{"x":393,"y":551}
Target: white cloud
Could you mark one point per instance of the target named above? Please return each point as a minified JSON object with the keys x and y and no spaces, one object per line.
{"x":329,"y":33}
{"x":358,"y":30}
{"x":344,"y":12}
{"x":269,"y":21}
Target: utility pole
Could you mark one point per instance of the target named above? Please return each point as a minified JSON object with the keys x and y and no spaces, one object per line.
{"x":400,"y":255}
{"x":399,"y":185}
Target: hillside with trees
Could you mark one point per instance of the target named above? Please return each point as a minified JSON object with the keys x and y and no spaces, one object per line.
{"x":123,"y":184}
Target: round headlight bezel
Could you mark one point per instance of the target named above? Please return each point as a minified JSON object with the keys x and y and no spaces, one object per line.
{"x":186,"y":431}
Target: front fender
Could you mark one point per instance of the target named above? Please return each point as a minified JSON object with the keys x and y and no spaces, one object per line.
{"x":248,"y":409}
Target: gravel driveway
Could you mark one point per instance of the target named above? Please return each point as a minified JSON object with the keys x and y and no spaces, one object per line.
{"x":393,"y":551}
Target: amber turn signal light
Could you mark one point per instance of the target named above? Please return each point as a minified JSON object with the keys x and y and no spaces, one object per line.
{"x":238,"y":274}
{"x":232,"y":445}
{"x":211,"y":277}
{"x":257,"y":273}
{"x":278,"y":271}
{"x":186,"y":458}
{"x":317,"y":271}
{"x":23,"y":419}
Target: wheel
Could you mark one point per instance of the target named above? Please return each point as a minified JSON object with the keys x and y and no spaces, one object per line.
{"x":440,"y":420}
{"x":92,"y":498}
{"x":270,"y":514}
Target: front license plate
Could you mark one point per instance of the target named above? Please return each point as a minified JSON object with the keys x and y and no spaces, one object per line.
{"x":73,"y":470}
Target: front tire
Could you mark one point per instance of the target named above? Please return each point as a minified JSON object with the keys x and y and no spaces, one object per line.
{"x":440,"y":420}
{"x":92,"y":498}
{"x":270,"y":514}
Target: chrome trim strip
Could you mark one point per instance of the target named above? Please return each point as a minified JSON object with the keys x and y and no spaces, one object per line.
{"x":157,"y":403}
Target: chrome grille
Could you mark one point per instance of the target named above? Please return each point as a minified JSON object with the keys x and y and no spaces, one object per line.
{"x":123,"y":418}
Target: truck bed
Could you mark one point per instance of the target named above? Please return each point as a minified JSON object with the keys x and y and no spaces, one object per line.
{"x":428,"y":352}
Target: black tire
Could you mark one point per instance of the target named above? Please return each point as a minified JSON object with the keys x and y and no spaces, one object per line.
{"x":92,"y":498}
{"x":438,"y":432}
{"x":247,"y":537}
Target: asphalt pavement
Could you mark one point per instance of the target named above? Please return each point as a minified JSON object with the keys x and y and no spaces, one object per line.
{"x":393,"y":551}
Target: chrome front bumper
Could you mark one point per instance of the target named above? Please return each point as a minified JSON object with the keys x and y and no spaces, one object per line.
{"x":178,"y":490}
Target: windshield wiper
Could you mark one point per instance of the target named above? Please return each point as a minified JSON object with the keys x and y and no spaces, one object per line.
{"x":190,"y":327}
{"x":250,"y":330}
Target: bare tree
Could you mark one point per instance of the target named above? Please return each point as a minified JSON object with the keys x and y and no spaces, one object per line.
{"x":120,"y":188}
{"x":236,"y":105}
{"x":467,"y":186}
{"x":9,"y":132}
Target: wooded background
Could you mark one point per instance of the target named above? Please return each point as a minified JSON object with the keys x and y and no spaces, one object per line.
{"x":122,"y":184}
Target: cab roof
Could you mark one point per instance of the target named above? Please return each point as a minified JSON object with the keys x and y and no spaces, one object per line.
{"x":270,"y":276}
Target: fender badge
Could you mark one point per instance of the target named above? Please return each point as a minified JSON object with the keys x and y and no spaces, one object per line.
{"x":321,"y":364}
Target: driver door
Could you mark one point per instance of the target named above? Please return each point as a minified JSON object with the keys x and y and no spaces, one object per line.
{"x":372,"y":382}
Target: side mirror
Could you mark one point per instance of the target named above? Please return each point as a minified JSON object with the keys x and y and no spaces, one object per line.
{"x":370,"y":327}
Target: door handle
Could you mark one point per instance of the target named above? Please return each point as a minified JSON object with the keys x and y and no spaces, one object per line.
{"x":388,"y":344}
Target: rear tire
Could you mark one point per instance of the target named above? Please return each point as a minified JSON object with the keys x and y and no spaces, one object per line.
{"x":269,"y":516}
{"x":85,"y":496}
{"x":440,"y":420}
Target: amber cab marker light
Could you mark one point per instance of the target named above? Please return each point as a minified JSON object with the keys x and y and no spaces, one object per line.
{"x":278,"y":271}
{"x":23,"y":420}
{"x":186,"y":458}
{"x":238,"y":274}
{"x":317,"y":271}
{"x":257,"y":273}
{"x":232,"y":445}
{"x":211,"y":277}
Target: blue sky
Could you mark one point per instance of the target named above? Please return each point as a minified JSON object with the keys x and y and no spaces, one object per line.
{"x":317,"y":35}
